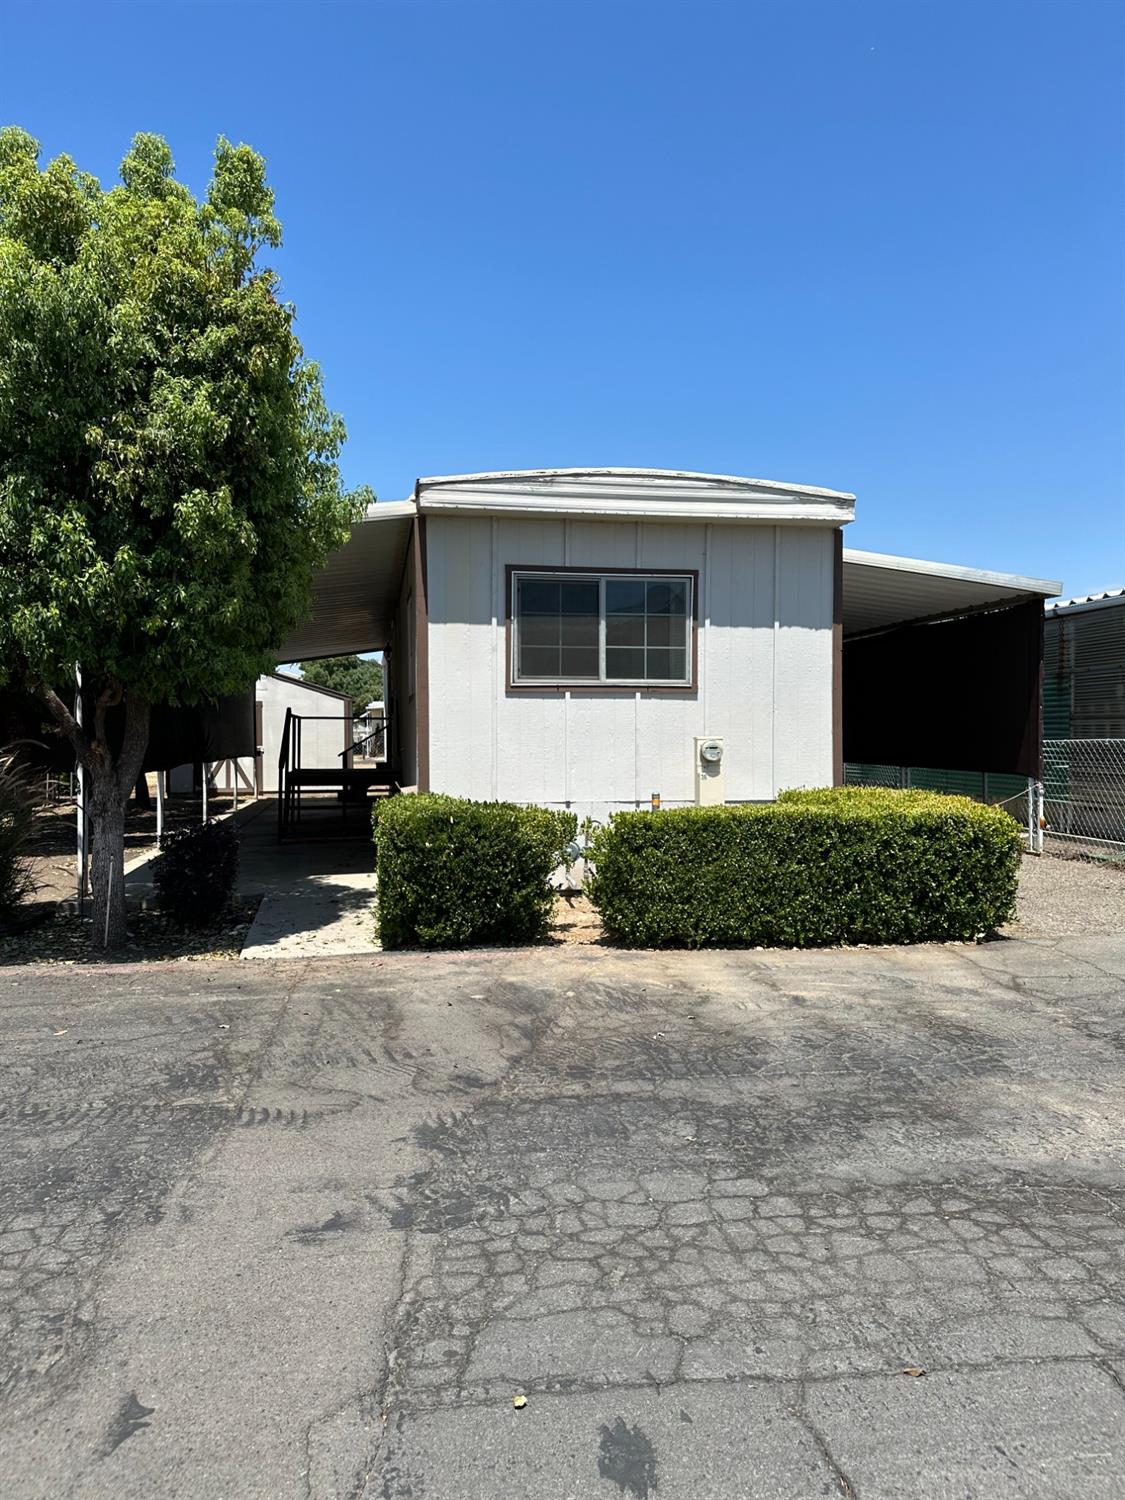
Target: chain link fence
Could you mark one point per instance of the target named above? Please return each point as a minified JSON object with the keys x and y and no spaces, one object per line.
{"x":1081,"y":800}
{"x":1084,"y":798}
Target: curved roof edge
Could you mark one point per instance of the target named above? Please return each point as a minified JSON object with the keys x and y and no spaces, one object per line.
{"x":499,"y":477}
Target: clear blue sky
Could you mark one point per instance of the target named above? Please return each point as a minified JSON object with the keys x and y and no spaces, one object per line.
{"x":875,"y":246}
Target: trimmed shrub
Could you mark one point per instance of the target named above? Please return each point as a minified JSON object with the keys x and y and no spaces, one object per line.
{"x":454,"y":873}
{"x":196,"y":871}
{"x":17,"y":817}
{"x":847,"y":865}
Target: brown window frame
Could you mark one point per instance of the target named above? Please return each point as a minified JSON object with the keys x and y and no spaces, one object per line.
{"x":589,"y":684}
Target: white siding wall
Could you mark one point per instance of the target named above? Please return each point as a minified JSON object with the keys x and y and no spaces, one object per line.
{"x":764,"y":678}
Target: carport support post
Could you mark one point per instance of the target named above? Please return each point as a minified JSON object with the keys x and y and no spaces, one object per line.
{"x":1034,"y":816}
{"x":83,"y":829}
{"x":159,"y":806}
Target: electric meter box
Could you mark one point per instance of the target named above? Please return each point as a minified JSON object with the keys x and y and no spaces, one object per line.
{"x":709,"y":780}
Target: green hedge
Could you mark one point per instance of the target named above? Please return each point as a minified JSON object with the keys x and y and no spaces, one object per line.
{"x":842,"y":865}
{"x":454,"y":873}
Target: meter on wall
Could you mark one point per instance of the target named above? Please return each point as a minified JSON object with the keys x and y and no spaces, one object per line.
{"x":709,"y":787}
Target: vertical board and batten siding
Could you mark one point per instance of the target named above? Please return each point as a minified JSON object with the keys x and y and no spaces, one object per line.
{"x":764,"y":677}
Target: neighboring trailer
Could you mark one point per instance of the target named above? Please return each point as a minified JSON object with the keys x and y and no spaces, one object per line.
{"x":1084,"y":668}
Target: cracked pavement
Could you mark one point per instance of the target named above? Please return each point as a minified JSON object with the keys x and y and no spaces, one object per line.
{"x":307,"y":1229}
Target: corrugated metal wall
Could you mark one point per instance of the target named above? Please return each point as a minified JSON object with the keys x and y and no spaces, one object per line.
{"x":1084,"y":673}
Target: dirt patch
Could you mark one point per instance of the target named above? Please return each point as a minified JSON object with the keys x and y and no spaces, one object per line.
{"x":51,"y":853}
{"x":576,"y":920}
{"x":64,"y":938}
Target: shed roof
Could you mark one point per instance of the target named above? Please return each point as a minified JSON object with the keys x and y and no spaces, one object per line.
{"x":1086,"y":601}
{"x":312,"y":687}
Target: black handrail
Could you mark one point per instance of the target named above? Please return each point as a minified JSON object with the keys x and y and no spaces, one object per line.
{"x":358,"y":744}
{"x":289,"y":765}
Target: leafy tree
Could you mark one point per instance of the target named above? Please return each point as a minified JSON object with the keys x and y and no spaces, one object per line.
{"x":361,"y":680}
{"x":168,"y":467}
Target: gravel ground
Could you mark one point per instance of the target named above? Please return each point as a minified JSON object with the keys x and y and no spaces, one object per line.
{"x":1068,"y":898}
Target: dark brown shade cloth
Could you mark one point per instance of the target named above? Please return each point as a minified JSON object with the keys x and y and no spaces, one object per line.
{"x":960,"y":695}
{"x":177,"y":736}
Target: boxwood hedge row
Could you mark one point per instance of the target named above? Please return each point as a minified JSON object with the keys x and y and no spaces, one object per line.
{"x":841,"y":865}
{"x":453,"y":873}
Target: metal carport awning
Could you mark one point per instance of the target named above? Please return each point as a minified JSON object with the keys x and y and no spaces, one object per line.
{"x":355,"y":594}
{"x":882,"y":591}
{"x":942,"y":665}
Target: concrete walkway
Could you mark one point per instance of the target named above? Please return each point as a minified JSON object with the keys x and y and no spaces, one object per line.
{"x":317,"y":897}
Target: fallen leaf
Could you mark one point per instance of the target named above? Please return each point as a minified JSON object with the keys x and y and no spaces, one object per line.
{"x":519,"y":1402}
{"x":914,"y":1370}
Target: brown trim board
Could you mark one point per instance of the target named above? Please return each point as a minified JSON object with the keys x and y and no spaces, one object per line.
{"x":837,"y":658}
{"x":421,"y":655}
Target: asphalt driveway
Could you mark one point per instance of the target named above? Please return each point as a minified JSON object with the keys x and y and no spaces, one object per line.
{"x":289,"y":1230}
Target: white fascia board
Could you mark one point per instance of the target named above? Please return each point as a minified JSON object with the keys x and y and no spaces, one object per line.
{"x":1014,"y":581}
{"x":641,"y":509}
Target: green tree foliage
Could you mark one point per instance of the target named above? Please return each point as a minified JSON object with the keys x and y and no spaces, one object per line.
{"x":168,"y":467}
{"x":361,"y":680}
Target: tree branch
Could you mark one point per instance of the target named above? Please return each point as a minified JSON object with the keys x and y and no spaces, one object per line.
{"x":67,"y":723}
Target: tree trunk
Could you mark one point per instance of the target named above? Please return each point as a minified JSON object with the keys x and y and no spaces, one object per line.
{"x":107,"y":875}
{"x":111,"y":782}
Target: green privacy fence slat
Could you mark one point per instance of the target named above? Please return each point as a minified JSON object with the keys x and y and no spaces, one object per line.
{"x":927,"y":779}
{"x":1056,"y":708}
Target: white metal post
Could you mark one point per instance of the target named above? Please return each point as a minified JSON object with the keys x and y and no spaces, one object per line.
{"x":159,"y":806}
{"x":1034,"y":816}
{"x":205,"y":791}
{"x":82,"y":829}
{"x":1039,"y":817}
